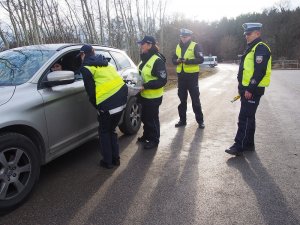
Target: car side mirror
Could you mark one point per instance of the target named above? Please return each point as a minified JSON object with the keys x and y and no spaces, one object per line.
{"x":59,"y":78}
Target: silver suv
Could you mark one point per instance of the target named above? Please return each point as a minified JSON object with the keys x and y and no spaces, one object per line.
{"x":45,"y":114}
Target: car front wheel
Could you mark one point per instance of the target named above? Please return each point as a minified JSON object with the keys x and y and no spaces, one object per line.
{"x":19,"y":169}
{"x":132,"y":117}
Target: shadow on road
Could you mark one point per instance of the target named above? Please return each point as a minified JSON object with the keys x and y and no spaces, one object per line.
{"x":146,"y":190}
{"x":122,"y":191}
{"x":174,"y":200}
{"x":271,"y":202}
{"x":65,"y":185}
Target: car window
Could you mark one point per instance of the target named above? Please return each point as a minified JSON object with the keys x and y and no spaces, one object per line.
{"x":206,"y":59}
{"x":70,"y":62}
{"x":107,"y":55}
{"x":19,"y":65}
{"x":121,"y":59}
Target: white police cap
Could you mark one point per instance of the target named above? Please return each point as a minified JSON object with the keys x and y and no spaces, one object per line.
{"x":185,"y":32}
{"x":249,"y":27}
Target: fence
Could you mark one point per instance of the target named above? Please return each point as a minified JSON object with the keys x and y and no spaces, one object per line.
{"x":281,"y":64}
{"x":285,"y":64}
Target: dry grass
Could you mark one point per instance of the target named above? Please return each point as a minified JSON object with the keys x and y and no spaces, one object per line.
{"x":172,"y":76}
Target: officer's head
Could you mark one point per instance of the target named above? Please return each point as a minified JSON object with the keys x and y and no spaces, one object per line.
{"x":252,"y":31}
{"x":185,"y":35}
{"x":147,"y":43}
{"x":86,"y":51}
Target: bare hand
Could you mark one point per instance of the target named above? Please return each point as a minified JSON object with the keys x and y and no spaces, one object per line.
{"x":248,"y":95}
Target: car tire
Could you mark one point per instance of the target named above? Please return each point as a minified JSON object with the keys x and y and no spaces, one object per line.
{"x":132,"y":117}
{"x":19,"y":169}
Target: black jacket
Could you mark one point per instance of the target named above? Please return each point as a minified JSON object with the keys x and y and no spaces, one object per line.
{"x":158,"y":70}
{"x":260,"y":68}
{"x":116,"y":100}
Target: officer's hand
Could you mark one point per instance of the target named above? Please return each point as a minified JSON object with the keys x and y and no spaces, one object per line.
{"x":248,"y":95}
{"x":179,"y":61}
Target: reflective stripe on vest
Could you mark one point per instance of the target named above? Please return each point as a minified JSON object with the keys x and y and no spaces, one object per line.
{"x":249,"y":68}
{"x":107,"y":81}
{"x":146,"y":75}
{"x":189,"y":54}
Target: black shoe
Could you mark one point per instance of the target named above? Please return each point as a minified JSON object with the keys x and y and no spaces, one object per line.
{"x":250,"y":148}
{"x":180,"y":124}
{"x":116,"y":161}
{"x":142,"y":139}
{"x":105,"y":165}
{"x":201,"y":125}
{"x":234,"y":151}
{"x":150,"y":145}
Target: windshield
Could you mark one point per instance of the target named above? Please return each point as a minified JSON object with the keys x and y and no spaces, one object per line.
{"x":19,"y":65}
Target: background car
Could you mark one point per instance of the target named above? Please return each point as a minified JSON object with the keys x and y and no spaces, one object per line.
{"x":44,"y":114}
{"x":211,"y":61}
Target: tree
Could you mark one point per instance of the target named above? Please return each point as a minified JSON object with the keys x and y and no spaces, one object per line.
{"x":121,"y":23}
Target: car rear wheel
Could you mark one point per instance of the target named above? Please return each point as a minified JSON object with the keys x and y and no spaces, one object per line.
{"x":132,"y":117}
{"x":19,"y":169}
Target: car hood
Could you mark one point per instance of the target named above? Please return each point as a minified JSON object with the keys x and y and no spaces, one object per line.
{"x":6,"y":93}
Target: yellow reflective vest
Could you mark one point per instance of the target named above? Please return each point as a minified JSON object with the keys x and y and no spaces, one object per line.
{"x":147,"y":76}
{"x":107,"y":81}
{"x":189,"y":54}
{"x":249,"y":68}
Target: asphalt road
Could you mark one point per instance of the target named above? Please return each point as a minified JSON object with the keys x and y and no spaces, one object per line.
{"x":189,"y":179}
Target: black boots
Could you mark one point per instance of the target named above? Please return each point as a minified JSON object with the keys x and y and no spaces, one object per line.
{"x":234,"y":151}
{"x":180,"y":124}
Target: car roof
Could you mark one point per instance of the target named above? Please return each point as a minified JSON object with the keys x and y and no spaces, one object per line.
{"x":58,"y":47}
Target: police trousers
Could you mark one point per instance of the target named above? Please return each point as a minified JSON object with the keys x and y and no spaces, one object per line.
{"x":246,"y":124}
{"x":109,"y":147}
{"x":150,"y":118}
{"x":189,"y":83}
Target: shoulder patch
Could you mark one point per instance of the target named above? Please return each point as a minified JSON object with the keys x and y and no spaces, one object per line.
{"x":259,"y":59}
{"x":162,"y":74}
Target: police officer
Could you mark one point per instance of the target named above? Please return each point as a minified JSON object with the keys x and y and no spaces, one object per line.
{"x":108,"y":94}
{"x":153,"y":71}
{"x":187,"y":57}
{"x":253,"y":76}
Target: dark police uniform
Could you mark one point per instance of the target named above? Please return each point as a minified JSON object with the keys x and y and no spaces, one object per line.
{"x":108,"y":94}
{"x":253,"y":76}
{"x":153,"y":71}
{"x":188,"y":78}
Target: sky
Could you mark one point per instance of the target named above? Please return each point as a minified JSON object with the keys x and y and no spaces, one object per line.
{"x":213,"y":10}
